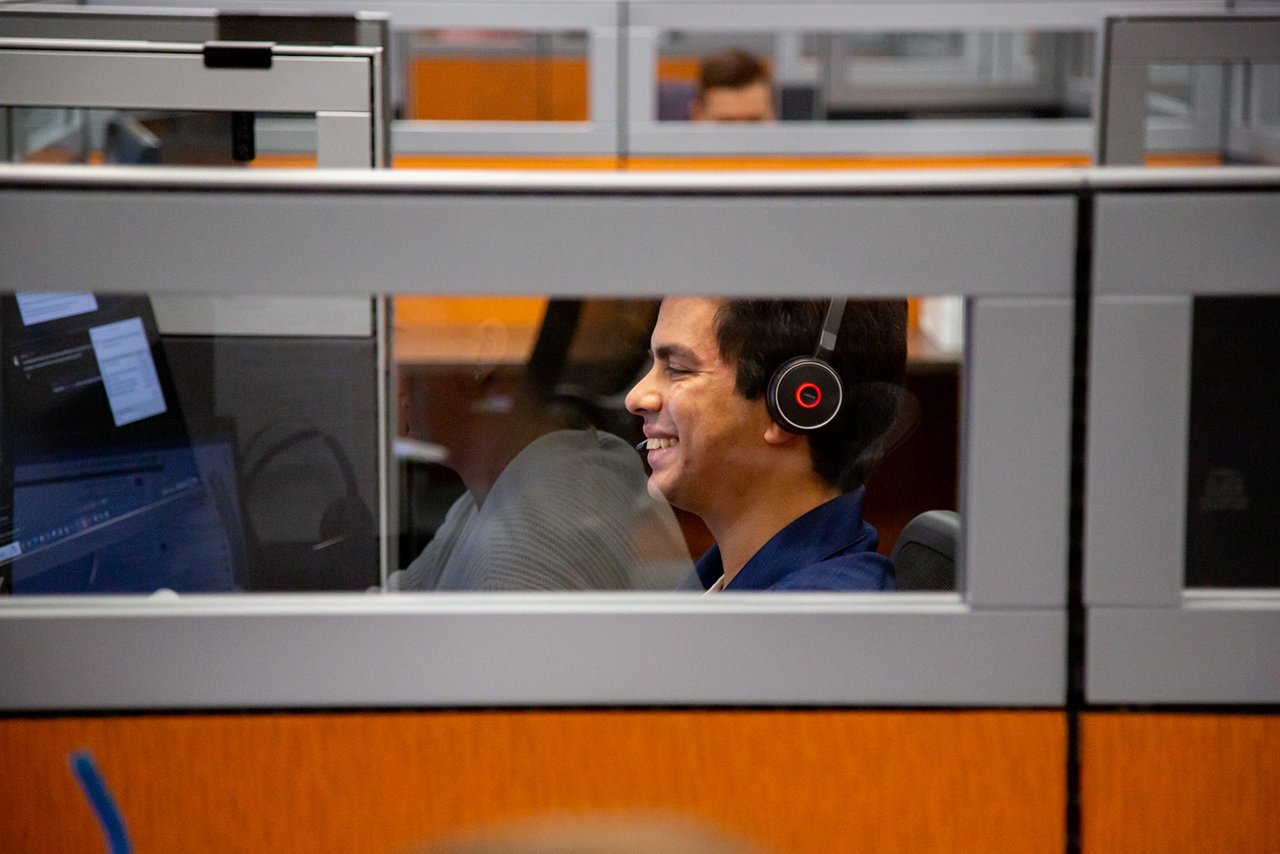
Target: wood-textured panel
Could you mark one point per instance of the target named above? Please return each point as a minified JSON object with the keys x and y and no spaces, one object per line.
{"x":483,"y":89}
{"x":1164,"y":783}
{"x":796,"y":781}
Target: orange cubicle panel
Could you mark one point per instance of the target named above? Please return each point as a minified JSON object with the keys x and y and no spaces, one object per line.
{"x":793,"y":781}
{"x":1169,"y":782}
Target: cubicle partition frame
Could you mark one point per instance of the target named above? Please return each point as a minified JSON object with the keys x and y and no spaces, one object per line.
{"x":1132,"y":45}
{"x":200,"y":25}
{"x":1161,"y":239}
{"x":597,"y":136}
{"x":648,"y":136}
{"x":999,"y":641}
{"x":622,"y":38}
{"x":341,"y":86}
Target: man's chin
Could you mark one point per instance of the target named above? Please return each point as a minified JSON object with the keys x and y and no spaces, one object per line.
{"x":663,"y":493}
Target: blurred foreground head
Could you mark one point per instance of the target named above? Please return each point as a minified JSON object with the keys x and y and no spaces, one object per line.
{"x":632,"y":834}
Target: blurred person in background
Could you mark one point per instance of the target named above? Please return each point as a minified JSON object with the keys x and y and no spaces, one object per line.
{"x":733,"y":86}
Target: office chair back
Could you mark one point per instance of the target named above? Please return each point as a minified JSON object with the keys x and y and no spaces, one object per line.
{"x":924,"y":557}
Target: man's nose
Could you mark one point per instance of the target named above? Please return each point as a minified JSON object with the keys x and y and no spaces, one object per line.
{"x":643,"y":397}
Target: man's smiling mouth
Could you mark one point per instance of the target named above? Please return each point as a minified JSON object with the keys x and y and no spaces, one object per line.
{"x":657,"y":444}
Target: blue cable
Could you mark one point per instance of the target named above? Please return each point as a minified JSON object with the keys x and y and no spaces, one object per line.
{"x":104,"y":806}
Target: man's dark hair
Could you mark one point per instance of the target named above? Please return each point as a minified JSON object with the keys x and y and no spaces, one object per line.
{"x":730,"y":69}
{"x":758,"y":335}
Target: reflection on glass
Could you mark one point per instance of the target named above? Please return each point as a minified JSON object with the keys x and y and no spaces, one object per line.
{"x":204,"y":444}
{"x":888,"y":75}
{"x":552,"y":497}
{"x":1170,"y":89}
{"x":1233,"y":109}
{"x":569,"y":440}
{"x":150,"y":137}
{"x":976,"y":73}
{"x":1233,"y":470}
{"x":496,"y":75}
{"x":101,"y":482}
{"x":46,"y":135}
{"x":136,"y":457}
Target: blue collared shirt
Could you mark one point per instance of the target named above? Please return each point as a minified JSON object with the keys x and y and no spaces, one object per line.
{"x":829,"y":548}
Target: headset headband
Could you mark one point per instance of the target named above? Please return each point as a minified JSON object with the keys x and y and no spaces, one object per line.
{"x":830,"y":329}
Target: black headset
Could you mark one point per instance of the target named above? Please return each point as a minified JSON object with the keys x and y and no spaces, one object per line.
{"x":805,"y":393}
{"x":347,"y":534}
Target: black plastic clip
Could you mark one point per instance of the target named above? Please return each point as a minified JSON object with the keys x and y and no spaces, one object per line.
{"x":243,"y":142}
{"x":238,"y":54}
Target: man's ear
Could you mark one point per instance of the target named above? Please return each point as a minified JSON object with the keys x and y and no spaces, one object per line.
{"x":775,"y":435}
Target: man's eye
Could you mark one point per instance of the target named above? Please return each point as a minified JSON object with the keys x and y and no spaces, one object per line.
{"x":672,"y":370}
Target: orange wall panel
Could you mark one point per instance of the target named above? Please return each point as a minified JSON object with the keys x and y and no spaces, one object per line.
{"x":795,"y":781}
{"x":542,"y":89}
{"x":1180,"y":782}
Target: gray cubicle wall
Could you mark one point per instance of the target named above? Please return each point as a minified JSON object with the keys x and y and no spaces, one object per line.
{"x":1005,"y":240}
{"x":648,"y":18}
{"x":199,"y":25}
{"x":599,"y":19}
{"x":1160,"y":241}
{"x":340,"y":86}
{"x":622,"y":46}
{"x":1131,"y":46}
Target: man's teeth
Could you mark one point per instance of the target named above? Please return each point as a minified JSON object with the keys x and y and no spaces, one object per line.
{"x":659,"y":444}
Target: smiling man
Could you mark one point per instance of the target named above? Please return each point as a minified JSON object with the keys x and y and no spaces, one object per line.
{"x":783,"y":502}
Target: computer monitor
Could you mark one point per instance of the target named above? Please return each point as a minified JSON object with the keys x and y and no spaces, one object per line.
{"x":101,"y":486}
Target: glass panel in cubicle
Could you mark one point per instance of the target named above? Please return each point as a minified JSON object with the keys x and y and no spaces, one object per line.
{"x":845,"y":85}
{"x":205,"y":117}
{"x":151,"y":137}
{"x":1229,"y":108}
{"x":911,"y":81}
{"x":505,"y":79}
{"x":156,"y":442}
{"x":1180,"y":575}
{"x":492,"y":392}
{"x":462,"y":74}
{"x":1233,"y":465}
{"x":1215,"y":76}
{"x":191,"y":445}
{"x":856,"y":75}
{"x":468,"y":377}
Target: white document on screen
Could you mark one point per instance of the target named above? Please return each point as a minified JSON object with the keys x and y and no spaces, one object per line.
{"x":39,"y":308}
{"x":128,"y":371}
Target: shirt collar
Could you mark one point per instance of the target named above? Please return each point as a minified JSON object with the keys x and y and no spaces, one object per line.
{"x":824,"y":531}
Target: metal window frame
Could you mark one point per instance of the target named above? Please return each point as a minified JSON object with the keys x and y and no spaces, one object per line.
{"x":1159,"y":242}
{"x":1131,"y":45}
{"x":340,"y":86}
{"x":623,"y":47}
{"x":180,"y":24}
{"x":1001,"y":641}
{"x":648,"y":136}
{"x":598,"y":135}
{"x":198,"y":315}
{"x":1253,"y":132}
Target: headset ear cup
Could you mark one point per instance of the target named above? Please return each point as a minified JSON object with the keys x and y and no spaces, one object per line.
{"x":804,"y":394}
